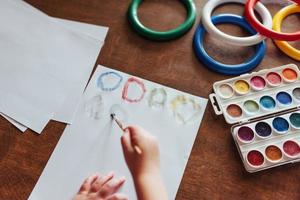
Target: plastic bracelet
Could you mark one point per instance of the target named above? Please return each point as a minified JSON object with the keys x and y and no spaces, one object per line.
{"x":166,"y":35}
{"x":239,"y":41}
{"x":225,"y":68}
{"x":277,"y":21}
{"x":250,"y":16}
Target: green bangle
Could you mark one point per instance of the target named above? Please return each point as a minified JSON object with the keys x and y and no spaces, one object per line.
{"x":165,"y":35}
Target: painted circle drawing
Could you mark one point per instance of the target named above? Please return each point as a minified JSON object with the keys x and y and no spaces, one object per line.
{"x":134,"y":90}
{"x":109,"y":81}
{"x":185,"y":109}
{"x":157,"y":98}
{"x":94,"y":107}
{"x":120,"y":112}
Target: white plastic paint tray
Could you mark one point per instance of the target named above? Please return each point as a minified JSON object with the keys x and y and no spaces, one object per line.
{"x":246,"y":116}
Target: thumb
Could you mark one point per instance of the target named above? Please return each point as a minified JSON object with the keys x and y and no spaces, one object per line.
{"x":126,"y":142}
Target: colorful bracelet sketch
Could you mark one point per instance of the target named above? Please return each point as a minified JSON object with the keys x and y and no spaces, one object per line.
{"x":119,"y":112}
{"x":94,"y":107}
{"x":112,"y":79}
{"x":137,"y":97}
{"x":157,"y":97}
{"x":185,"y":109}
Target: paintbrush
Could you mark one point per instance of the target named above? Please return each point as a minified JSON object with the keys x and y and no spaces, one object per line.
{"x":119,"y":123}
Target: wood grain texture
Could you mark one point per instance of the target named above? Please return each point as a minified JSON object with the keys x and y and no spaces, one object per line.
{"x":214,"y":170}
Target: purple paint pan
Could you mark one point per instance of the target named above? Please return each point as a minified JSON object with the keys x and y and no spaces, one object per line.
{"x":245,"y":134}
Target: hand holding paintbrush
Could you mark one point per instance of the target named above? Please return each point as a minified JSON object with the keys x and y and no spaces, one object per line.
{"x":119,"y":123}
{"x":144,"y":168}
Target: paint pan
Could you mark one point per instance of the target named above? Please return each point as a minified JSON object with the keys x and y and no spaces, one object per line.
{"x":245,"y":134}
{"x":258,"y":83}
{"x":284,"y":98}
{"x":289,"y":75}
{"x":280,"y":125}
{"x":264,"y":108}
{"x":296,"y":94}
{"x":273,"y":154}
{"x":291,"y":149}
{"x":242,"y":87}
{"x":255,"y":159}
{"x":295,"y":120}
{"x":267,"y":103}
{"x":263,"y":130}
{"x":274,"y":79}
{"x":225,"y":91}
{"x":251,"y":107}
{"x":234,"y":111}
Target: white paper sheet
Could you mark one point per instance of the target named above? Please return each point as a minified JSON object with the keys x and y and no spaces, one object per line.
{"x":94,"y":31}
{"x":66,"y":112}
{"x":41,"y":64}
{"x":92,"y":143}
{"x":99,"y":33}
{"x":19,"y":126}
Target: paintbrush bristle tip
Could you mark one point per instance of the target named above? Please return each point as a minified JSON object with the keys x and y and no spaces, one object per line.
{"x":112,"y":115}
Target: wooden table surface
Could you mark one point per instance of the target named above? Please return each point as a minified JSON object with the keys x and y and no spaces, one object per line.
{"x":214,"y":170}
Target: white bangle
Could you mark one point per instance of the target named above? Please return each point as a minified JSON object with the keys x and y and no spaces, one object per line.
{"x":238,"y":41}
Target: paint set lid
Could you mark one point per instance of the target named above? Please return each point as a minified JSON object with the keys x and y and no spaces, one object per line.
{"x":256,"y":95}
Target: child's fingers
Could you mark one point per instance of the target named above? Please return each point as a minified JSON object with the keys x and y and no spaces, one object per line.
{"x":86,"y":185}
{"x":126,"y":142}
{"x":136,"y":135}
{"x":117,"y":197}
{"x":111,"y":187}
{"x":117,"y":185}
{"x":97,"y":185}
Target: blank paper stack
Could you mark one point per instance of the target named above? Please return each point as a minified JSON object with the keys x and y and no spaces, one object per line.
{"x":45,"y":64}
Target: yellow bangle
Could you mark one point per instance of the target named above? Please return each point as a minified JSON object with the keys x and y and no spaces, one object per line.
{"x":277,"y":21}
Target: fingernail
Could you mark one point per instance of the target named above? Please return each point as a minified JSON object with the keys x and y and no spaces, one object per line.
{"x":91,"y":176}
{"x":111,"y":173}
{"x":122,"y":179}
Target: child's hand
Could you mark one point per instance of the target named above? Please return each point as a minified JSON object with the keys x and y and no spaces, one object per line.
{"x":101,"y":188}
{"x":144,"y":167}
{"x":145,"y":163}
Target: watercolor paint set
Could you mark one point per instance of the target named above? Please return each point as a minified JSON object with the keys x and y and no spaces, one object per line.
{"x":264,"y":108}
